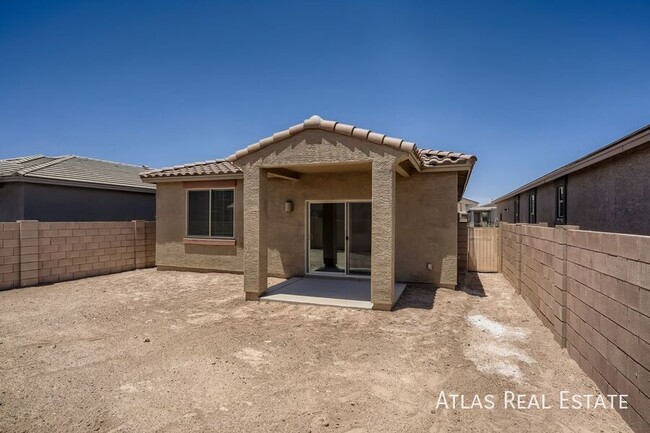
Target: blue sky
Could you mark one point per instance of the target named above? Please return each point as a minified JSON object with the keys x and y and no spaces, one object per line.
{"x":527,"y":86}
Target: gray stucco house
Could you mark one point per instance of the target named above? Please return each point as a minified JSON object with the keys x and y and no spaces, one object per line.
{"x":73,"y":188}
{"x":607,"y":190}
{"x":321,"y":198}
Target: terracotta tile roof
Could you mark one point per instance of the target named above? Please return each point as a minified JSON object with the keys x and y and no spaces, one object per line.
{"x":72,"y":169}
{"x":427,"y":158}
{"x":433,"y":158}
{"x":315,"y":122}
{"x":214,"y":167}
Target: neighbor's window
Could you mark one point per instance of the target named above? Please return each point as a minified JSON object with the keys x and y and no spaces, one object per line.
{"x":516,"y":209}
{"x":532,"y":207}
{"x":210,"y":213}
{"x":561,"y":202}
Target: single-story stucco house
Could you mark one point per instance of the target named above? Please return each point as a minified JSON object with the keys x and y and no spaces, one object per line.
{"x":321,"y":198}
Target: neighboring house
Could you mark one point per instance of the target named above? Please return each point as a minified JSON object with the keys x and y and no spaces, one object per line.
{"x":73,"y":188}
{"x":482,"y":216}
{"x":607,"y":190}
{"x":320,"y":198}
{"x":463,"y":206}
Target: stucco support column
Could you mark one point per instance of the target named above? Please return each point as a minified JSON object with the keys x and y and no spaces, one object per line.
{"x":382,"y":277}
{"x":255,"y":225}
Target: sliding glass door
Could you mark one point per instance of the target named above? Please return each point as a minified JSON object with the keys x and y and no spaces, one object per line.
{"x":359,"y":239}
{"x":339,"y":238}
{"x":327,"y":237}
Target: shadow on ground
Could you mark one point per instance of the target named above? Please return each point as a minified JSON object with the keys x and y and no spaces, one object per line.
{"x":470,"y":283}
{"x":421,"y":296}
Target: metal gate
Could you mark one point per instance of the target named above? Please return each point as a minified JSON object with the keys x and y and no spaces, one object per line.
{"x":483,"y":249}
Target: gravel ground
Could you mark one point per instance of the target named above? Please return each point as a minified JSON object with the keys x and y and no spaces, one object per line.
{"x":177,"y":352}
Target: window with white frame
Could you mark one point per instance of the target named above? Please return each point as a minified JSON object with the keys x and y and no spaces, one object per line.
{"x":211,"y":213}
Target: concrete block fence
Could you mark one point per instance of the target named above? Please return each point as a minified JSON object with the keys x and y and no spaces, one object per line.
{"x":592,"y":290}
{"x":33,"y":252}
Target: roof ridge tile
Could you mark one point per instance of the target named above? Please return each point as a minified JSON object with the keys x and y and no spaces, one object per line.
{"x":34,"y":168}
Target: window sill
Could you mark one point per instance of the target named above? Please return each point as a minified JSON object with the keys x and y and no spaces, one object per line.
{"x":209,"y":241}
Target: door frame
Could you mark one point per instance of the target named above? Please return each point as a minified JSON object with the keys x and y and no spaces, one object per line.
{"x":345,"y":274}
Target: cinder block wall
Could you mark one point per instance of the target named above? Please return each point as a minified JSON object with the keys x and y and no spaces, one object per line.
{"x":533,"y":262}
{"x":33,"y":252}
{"x":9,"y":255}
{"x":592,"y":290}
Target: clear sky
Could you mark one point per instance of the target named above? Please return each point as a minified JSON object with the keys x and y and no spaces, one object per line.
{"x":527,"y":86}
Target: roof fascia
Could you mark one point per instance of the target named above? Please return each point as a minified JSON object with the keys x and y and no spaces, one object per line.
{"x":64,"y":182}
{"x":190,"y":178}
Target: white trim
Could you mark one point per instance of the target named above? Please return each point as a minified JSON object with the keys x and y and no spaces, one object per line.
{"x":234,"y":212}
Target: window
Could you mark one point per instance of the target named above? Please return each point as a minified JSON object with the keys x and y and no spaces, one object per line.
{"x":532,"y":207}
{"x":516,"y":209}
{"x":560,"y":205}
{"x":210,"y":213}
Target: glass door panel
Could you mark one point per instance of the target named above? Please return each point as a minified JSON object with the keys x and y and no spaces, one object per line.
{"x":327,"y":237}
{"x":360,"y":239}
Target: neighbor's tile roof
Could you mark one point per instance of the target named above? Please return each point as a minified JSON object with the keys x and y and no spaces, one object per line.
{"x":74,"y":169}
{"x":426,"y":157}
{"x":9,"y":167}
{"x":217,"y":166}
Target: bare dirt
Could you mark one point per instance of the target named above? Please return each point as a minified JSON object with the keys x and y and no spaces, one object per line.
{"x":178,"y":352}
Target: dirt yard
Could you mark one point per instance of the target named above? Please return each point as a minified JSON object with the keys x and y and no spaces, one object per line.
{"x":177,"y":352}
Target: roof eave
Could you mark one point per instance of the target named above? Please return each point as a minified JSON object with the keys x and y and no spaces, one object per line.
{"x":191,"y":177}
{"x":78,"y":184}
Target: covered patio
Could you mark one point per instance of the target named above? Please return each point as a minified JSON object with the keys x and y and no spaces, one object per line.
{"x":335,"y":292}
{"x":308,"y":171}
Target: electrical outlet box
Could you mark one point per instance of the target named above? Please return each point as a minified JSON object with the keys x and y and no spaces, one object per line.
{"x":429,"y":267}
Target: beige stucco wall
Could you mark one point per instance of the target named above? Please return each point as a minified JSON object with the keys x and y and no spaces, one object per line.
{"x":170,"y":230}
{"x":287,"y":231}
{"x":425,"y":225}
{"x":427,"y":228}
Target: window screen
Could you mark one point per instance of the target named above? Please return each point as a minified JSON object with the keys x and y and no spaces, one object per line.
{"x":198,"y":216}
{"x":222,"y":213}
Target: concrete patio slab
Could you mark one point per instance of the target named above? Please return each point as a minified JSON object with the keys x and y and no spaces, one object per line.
{"x":335,"y":292}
